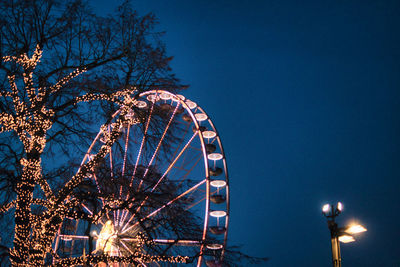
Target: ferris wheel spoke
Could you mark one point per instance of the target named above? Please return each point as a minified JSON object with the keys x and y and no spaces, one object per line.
{"x":125,"y":155}
{"x":115,"y":215}
{"x":142,"y":264}
{"x":98,"y":187}
{"x":190,"y":190}
{"x":153,"y":157}
{"x":87,"y":209}
{"x":174,"y":161}
{"x":182,"y":141}
{"x":165,"y":173}
{"x":123,"y":169}
{"x":159,"y":144}
{"x":193,"y":188}
{"x":186,"y":162}
{"x":182,"y":242}
{"x":187,"y":172}
{"x":179,"y":242}
{"x":123,"y":217}
{"x":141,"y":145}
{"x":125,"y":246}
{"x":111,"y":158}
{"x":194,"y":204}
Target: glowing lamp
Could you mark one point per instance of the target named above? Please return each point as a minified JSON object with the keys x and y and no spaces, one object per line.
{"x":178,"y":97}
{"x":214,"y":156}
{"x":152,"y":98}
{"x":339,"y":206}
{"x":209,"y":134}
{"x":141,"y":104}
{"x":218,"y":183}
{"x":191,"y":104}
{"x":355,"y":229}
{"x":215,"y":246}
{"x":200,"y":116}
{"x":165,"y":96}
{"x":218,"y":213}
{"x":346,"y":238}
{"x":326,"y":208}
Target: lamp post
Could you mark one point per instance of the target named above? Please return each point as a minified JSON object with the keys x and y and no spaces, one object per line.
{"x":339,"y":234}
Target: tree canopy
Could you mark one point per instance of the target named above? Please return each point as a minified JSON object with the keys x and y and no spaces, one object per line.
{"x":56,"y":55}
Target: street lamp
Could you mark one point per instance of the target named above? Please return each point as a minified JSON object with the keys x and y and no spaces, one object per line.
{"x":339,"y":234}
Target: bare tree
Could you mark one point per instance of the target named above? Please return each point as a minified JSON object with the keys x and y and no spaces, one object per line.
{"x":83,"y":58}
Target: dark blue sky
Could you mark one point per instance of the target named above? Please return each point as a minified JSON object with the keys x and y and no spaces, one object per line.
{"x":306,"y":98}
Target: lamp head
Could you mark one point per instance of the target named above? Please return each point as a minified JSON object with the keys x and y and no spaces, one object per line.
{"x":326,"y":208}
{"x":355,"y":229}
{"x":346,"y":238}
{"x":339,"y":207}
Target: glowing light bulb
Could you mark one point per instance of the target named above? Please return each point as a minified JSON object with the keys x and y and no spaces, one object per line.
{"x":355,"y":229}
{"x":339,"y":206}
{"x":326,"y":208}
{"x":346,"y":239}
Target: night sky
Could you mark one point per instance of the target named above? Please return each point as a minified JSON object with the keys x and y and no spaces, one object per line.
{"x":306,"y":99}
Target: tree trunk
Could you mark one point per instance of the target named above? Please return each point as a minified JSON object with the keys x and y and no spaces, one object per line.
{"x":20,"y":252}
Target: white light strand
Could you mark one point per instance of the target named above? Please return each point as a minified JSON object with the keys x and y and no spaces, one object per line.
{"x":35,"y":233}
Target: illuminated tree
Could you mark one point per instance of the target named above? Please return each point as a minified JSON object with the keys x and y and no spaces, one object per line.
{"x":104,"y":61}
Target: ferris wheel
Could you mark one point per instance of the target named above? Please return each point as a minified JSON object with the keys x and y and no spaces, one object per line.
{"x":167,"y":178}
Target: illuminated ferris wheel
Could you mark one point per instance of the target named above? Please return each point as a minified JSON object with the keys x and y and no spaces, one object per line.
{"x":161,"y":191}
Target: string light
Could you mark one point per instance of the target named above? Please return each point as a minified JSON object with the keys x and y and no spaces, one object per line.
{"x":30,"y":119}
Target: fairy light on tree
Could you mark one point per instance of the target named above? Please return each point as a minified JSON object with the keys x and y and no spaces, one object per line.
{"x":34,"y":234}
{"x":40,"y":105}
